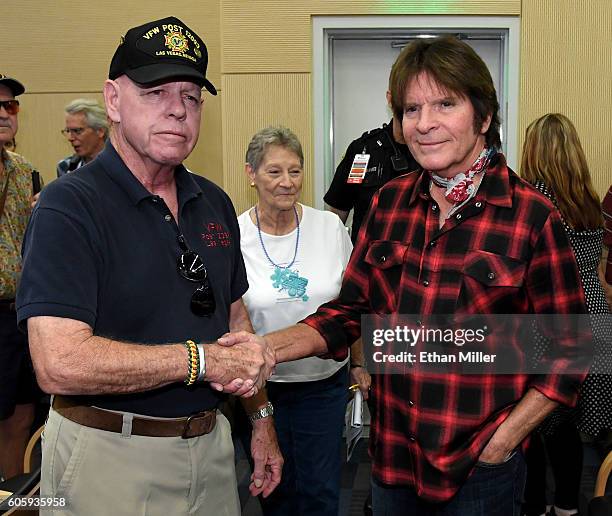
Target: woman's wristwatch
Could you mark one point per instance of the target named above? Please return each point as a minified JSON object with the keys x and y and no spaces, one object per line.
{"x":353,"y":365}
{"x":265,"y":411}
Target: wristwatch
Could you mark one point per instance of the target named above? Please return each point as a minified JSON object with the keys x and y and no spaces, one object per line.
{"x":265,"y":411}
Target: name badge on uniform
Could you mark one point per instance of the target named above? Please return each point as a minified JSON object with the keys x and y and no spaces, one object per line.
{"x":358,"y":168}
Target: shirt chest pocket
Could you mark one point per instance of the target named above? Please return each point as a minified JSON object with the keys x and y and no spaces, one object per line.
{"x":491,"y":282}
{"x":386,"y":260}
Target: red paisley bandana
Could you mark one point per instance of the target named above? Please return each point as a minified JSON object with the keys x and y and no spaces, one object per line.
{"x":460,"y":188}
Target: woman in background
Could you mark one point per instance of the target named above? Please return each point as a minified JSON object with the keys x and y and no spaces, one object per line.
{"x":554,"y":162}
{"x":605,"y":270}
{"x":295,"y":257}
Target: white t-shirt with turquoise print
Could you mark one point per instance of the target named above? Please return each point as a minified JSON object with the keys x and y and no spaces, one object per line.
{"x":279,"y":297}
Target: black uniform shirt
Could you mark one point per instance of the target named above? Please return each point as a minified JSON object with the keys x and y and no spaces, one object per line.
{"x":381,"y":147}
{"x":100,"y":248}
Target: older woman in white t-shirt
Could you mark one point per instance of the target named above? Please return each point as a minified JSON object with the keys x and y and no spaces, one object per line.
{"x":295,"y":257}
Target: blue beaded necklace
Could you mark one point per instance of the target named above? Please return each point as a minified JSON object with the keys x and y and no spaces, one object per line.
{"x":297,"y":240}
{"x":283,"y":278}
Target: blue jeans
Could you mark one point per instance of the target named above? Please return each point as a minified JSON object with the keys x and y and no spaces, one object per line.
{"x":309,"y":417}
{"x":491,"y":490}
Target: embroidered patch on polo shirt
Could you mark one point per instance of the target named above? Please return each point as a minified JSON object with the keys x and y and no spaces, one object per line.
{"x":215,"y":235}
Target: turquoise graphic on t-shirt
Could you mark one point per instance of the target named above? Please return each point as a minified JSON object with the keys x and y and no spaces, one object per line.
{"x":290,"y":281}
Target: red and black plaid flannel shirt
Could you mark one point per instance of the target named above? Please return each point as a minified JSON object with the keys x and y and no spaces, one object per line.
{"x":428,"y":430}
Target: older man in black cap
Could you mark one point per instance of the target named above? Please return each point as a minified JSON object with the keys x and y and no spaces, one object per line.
{"x":18,"y":390}
{"x":132,"y":270}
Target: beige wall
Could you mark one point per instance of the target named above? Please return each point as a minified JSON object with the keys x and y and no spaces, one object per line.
{"x":260,"y":55}
{"x":566,"y":67}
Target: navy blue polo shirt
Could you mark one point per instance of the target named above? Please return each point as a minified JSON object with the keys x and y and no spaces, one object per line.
{"x":100,"y":248}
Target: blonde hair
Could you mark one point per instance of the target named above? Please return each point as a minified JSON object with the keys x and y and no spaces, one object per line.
{"x":552,"y":153}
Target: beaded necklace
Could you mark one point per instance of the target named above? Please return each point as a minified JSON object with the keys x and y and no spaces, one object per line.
{"x":297,"y":240}
{"x":283,"y":278}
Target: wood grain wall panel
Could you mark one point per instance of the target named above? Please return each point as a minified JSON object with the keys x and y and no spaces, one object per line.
{"x":66,"y":55}
{"x":271,"y":36}
{"x":566,"y":67}
{"x":207,"y":157}
{"x":66,"y":45}
{"x":252,"y":102}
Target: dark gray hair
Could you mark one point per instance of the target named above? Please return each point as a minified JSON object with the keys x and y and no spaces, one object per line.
{"x":277,"y":135}
{"x":94,"y":113}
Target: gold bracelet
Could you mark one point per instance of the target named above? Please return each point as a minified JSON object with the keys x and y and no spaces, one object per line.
{"x":193,"y":362}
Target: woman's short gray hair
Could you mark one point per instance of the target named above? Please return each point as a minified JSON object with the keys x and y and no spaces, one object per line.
{"x":277,"y":135}
{"x":93,"y":111}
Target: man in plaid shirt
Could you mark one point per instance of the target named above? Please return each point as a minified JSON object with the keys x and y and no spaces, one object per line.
{"x":463,"y":236}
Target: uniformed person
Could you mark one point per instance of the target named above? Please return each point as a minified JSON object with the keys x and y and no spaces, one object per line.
{"x":370,"y":161}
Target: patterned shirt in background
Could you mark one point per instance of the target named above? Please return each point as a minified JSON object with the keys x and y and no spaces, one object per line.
{"x":606,"y":206}
{"x":14,"y":220}
{"x":504,"y":252}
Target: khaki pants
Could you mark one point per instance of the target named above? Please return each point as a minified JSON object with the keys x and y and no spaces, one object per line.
{"x":103,"y":473}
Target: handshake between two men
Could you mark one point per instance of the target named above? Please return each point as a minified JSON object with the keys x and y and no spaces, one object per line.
{"x":242,"y":362}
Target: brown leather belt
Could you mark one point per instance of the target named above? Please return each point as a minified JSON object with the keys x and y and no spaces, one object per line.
{"x":185,"y":427}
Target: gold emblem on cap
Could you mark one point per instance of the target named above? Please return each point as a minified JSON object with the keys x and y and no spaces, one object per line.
{"x":176,"y":42}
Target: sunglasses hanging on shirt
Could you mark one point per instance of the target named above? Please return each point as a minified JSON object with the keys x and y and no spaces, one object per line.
{"x":191,"y":267}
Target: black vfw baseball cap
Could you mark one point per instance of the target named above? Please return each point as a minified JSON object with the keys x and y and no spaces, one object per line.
{"x":162,"y":49}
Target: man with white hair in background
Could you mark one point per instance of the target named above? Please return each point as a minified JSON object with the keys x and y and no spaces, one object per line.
{"x":86,"y":130}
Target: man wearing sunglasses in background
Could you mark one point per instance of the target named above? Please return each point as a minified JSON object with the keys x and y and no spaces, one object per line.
{"x":18,"y":389}
{"x":86,"y":130}
{"x":131,"y":264}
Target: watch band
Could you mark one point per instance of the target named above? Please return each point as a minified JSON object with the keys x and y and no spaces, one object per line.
{"x":265,"y":411}
{"x":202,"y":356}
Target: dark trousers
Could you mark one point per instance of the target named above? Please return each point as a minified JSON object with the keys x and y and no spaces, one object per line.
{"x":309,"y":417}
{"x":17,"y":380}
{"x":491,"y":490}
{"x":563,"y":450}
